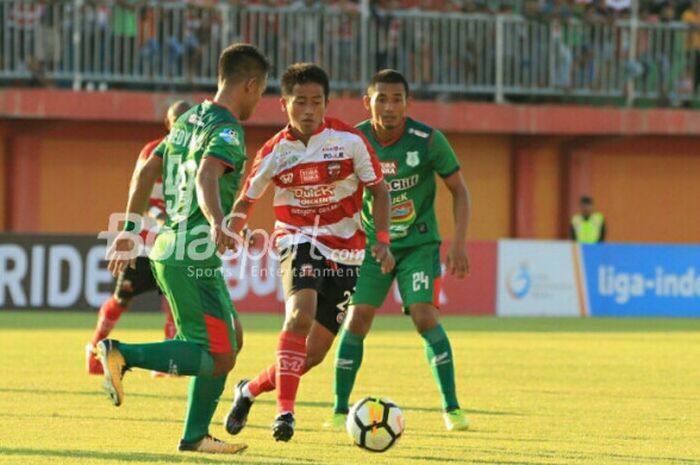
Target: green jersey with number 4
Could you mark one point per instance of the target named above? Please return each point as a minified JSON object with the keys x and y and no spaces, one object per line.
{"x":206,"y":130}
{"x":409,"y":166}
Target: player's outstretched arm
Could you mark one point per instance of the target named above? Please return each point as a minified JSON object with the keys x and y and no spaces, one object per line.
{"x":142,"y":182}
{"x":207,"y":185}
{"x":457,"y":258}
{"x":381,"y":207}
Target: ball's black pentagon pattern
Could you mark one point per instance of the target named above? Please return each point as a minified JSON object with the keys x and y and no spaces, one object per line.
{"x":384,"y":423}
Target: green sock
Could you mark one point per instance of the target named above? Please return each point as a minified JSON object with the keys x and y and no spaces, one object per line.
{"x":348,"y":359}
{"x":202,"y":399}
{"x":439,"y":353}
{"x":174,"y":356}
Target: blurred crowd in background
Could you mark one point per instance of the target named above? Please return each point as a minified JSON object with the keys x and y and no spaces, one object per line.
{"x":448,"y":48}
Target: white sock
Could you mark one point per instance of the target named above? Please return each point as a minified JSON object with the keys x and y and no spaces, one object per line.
{"x":246,"y":392}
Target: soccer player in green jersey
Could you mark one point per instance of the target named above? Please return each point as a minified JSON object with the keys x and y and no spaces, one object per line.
{"x":201,"y":162}
{"x":410,"y":153}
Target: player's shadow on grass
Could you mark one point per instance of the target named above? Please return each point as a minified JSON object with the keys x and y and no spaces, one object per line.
{"x":411,"y":408}
{"x":97,"y":392}
{"x":74,"y":416}
{"x":303,"y":403}
{"x":111,"y":456}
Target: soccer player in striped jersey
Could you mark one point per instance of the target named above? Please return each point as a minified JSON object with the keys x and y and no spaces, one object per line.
{"x":319,"y":167}
{"x":137,"y":280}
{"x":410,"y":153}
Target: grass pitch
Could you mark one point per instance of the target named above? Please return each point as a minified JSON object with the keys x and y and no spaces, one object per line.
{"x":538,"y":391}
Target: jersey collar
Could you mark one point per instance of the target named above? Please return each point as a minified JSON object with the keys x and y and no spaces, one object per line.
{"x":289,"y":134}
{"x":392,"y":141}
{"x":220,"y":105}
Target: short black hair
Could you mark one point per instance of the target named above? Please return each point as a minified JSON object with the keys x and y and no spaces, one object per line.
{"x":586,"y":200}
{"x":239,"y":62}
{"x":303,"y":73}
{"x":387,"y":76}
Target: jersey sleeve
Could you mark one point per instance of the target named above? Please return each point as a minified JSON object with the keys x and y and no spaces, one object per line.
{"x":159,"y":151}
{"x":225,"y":143}
{"x":441,"y":155}
{"x":365,"y":162}
{"x":260,"y":175}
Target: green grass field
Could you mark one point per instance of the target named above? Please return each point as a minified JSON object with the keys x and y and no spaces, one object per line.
{"x":538,"y":391}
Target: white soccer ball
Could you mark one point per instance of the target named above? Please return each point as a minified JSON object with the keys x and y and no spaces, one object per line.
{"x":375,"y":424}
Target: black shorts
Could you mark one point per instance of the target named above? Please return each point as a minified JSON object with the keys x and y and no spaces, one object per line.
{"x":334,"y":282}
{"x":134,"y":281}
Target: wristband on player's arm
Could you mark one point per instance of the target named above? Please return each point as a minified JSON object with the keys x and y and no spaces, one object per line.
{"x":383,"y":237}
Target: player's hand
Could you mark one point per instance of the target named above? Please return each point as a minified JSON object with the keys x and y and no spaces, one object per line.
{"x":382,"y":253}
{"x":457,"y":262}
{"x":224,"y":240}
{"x":122,"y":253}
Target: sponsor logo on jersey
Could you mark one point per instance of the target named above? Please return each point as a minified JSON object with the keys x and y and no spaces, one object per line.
{"x":402,"y":184}
{"x":287,"y":178}
{"x":315,"y":195}
{"x":230,"y":136}
{"x":333,"y":152}
{"x":403,"y":212}
{"x":399,"y":198}
{"x":310,"y":175}
{"x":412,"y":159}
{"x":389,"y":168}
{"x":419,"y":133}
{"x":193,"y":119}
{"x":284,"y":162}
{"x":333,"y":170}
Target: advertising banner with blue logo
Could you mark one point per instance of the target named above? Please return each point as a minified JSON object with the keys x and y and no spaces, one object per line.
{"x":537,"y":278}
{"x":642,"y":280}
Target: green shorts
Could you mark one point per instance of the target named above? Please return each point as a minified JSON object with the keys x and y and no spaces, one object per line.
{"x":417,"y":272}
{"x":201,"y":305}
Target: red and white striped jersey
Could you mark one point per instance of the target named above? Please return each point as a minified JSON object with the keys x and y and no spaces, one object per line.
{"x":156,"y":202}
{"x":318,"y":188}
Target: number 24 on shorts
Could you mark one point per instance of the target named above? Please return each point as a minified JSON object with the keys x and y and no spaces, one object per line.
{"x":420,"y":279}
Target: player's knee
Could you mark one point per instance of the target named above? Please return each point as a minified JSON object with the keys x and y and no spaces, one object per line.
{"x":359,"y":321}
{"x":223,"y":363}
{"x":123,"y":299}
{"x":424,"y":317}
{"x":298,"y":322}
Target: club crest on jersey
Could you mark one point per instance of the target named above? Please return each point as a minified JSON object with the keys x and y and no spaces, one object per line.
{"x":310,"y":175}
{"x":230,"y":136}
{"x":287,"y":178}
{"x":388,"y":168}
{"x":412,"y":159}
{"x":333,"y":170}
